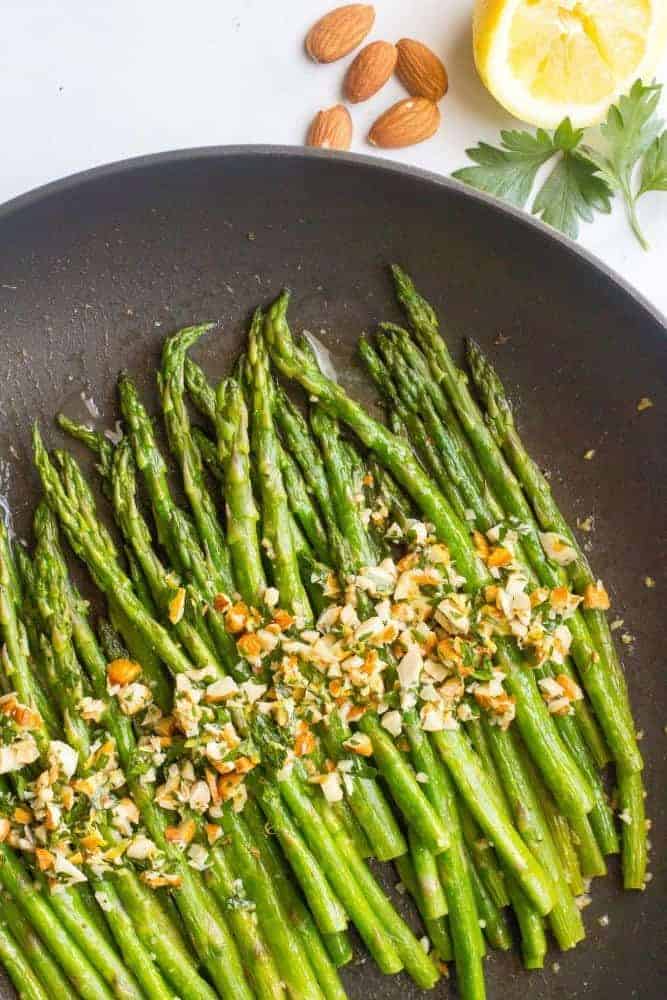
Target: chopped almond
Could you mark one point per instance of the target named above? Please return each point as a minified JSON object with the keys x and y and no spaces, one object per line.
{"x":244,"y":764}
{"x":249,"y":645}
{"x":183,"y":833}
{"x":165,"y":726}
{"x":160,"y":881}
{"x":360,"y":744}
{"x":284,"y":619}
{"x":538,"y":596}
{"x":305,"y":741}
{"x":559,"y":597}
{"x":227,"y":785}
{"x":407,"y":562}
{"x":92,"y":841}
{"x":368,"y":479}
{"x":481,"y":545}
{"x":571,"y":689}
{"x":45,"y":859}
{"x":123,"y":671}
{"x":499,"y":556}
{"x":5,"y":827}
{"x":213,"y":833}
{"x":177,"y":606}
{"x":221,"y":602}
{"x":22,"y":815}
{"x":356,"y":712}
{"x":237,"y":617}
{"x":596,"y":597}
{"x":26,"y":718}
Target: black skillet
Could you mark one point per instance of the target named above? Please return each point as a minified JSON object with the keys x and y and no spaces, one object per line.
{"x":96,"y":269}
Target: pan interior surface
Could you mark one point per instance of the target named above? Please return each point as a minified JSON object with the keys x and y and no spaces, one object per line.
{"x":95,"y":271}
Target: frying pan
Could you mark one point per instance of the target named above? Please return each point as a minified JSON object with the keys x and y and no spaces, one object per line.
{"x":96,"y":269}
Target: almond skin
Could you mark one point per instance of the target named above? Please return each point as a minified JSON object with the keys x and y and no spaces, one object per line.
{"x":339,"y":31}
{"x":369,"y":71}
{"x":331,"y":129}
{"x":420,"y":71}
{"x":405,"y":123}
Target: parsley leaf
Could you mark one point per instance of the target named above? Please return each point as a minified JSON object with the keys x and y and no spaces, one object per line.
{"x":508,"y":172}
{"x":630,"y":128}
{"x":582,"y":178}
{"x":654,"y":167}
{"x":571,"y":192}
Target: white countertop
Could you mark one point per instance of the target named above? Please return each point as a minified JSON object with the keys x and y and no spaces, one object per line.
{"x":87,"y":83}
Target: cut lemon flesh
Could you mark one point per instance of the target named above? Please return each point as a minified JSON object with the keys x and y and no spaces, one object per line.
{"x":544,"y":60}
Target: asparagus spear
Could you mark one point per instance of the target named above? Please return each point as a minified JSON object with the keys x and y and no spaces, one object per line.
{"x":149,"y":932}
{"x":399,"y":777}
{"x":171,"y":383}
{"x":40,"y":960}
{"x":452,"y":866}
{"x":275,"y":509}
{"x":15,"y":960}
{"x":175,"y":531}
{"x":602,"y":683}
{"x":604,"y":679}
{"x":323,"y":965}
{"x":487,"y":512}
{"x":68,"y":903}
{"x":564,"y":777}
{"x":231,"y":418}
{"x":426,"y":446}
{"x":393,"y":452}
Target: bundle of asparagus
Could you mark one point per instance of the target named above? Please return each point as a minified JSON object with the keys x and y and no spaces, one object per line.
{"x":359,"y":641}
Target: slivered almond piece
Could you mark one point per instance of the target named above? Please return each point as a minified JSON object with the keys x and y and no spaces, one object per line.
{"x":331,"y":129}
{"x":596,"y":597}
{"x":177,"y":606}
{"x":405,"y":123}
{"x":369,"y":71}
{"x":420,"y":71}
{"x":339,"y":31}
{"x":123,"y":671}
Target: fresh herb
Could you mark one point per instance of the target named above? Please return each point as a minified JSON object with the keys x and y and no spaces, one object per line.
{"x":583,"y":178}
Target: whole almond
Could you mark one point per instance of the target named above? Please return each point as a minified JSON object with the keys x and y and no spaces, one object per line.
{"x":331,"y":129}
{"x":339,"y":31}
{"x":405,"y":123}
{"x":420,"y":71}
{"x":369,"y":71}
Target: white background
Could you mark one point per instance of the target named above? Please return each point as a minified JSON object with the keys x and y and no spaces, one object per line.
{"x":84,"y":82}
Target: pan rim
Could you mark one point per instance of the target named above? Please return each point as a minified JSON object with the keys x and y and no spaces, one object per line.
{"x":117,"y":168}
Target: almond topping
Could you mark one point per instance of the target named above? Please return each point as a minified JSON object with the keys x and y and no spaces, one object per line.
{"x":596,"y":597}
{"x":123,"y":671}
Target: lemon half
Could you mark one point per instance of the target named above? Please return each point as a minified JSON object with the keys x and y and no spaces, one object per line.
{"x":546,"y":59}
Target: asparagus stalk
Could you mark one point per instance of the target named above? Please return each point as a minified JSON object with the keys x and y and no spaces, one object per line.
{"x":175,"y":531}
{"x":15,"y":960}
{"x":231,"y":417}
{"x":149,"y":932}
{"x":50,"y":927}
{"x":172,"y":388}
{"x":40,"y":960}
{"x":604,"y":678}
{"x":601,"y":681}
{"x":487,"y":512}
{"x":323,"y":964}
{"x":275,"y":510}
{"x":452,"y":867}
{"x":567,"y":782}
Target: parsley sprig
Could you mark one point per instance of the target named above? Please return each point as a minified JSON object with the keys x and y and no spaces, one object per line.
{"x":583,"y":177}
